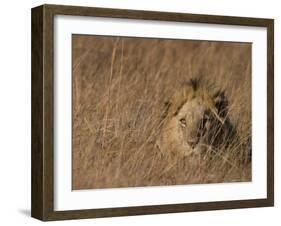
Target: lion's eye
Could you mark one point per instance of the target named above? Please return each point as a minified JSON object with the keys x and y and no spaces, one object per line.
{"x":183,"y":122}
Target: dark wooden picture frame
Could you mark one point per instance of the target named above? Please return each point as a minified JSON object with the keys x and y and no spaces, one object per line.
{"x":42,"y":203}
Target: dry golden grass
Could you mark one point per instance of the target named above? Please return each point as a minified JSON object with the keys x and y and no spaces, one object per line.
{"x":119,"y":87}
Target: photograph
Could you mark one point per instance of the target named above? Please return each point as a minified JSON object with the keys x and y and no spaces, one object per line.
{"x":160,"y":112}
{"x":138,"y":112}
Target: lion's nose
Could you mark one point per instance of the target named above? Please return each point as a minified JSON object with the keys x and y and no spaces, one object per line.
{"x":192,"y":142}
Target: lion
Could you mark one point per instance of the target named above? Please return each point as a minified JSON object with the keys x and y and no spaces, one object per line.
{"x":196,"y":120}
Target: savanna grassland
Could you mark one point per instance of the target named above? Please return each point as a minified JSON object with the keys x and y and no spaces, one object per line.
{"x":119,"y":89}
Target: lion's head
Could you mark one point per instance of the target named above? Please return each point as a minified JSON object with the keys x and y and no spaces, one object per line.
{"x":196,"y":116}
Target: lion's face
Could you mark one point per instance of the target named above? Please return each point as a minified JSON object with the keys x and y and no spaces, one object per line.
{"x":192,"y":121}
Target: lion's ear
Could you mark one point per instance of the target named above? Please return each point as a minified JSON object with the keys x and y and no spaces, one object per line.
{"x":221,"y":103}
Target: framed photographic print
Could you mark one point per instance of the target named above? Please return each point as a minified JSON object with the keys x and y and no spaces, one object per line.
{"x":141,"y":112}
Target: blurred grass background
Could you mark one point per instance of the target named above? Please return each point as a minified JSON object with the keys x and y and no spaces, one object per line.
{"x":119,"y":89}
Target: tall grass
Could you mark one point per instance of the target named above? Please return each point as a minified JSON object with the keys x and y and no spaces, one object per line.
{"x":119,"y":87}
